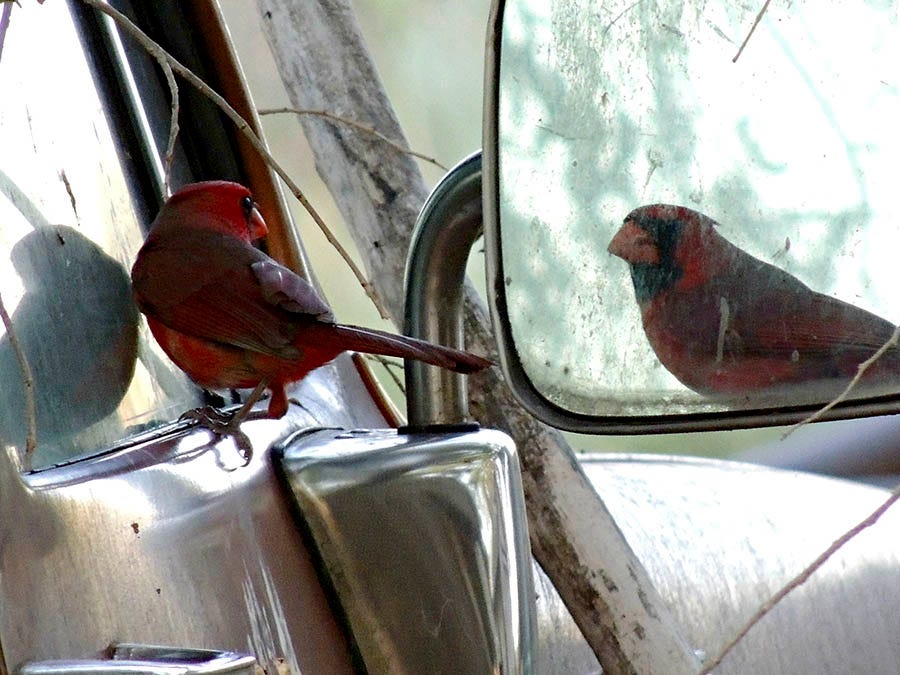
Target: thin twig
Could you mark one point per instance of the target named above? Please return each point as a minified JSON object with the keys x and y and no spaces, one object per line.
{"x":801,"y":578}
{"x":389,"y":367}
{"x":5,"y":18}
{"x":173,"y":127}
{"x":244,"y":127}
{"x":27,"y":382}
{"x":365,"y":128}
{"x":860,"y":371}
{"x":752,"y":30}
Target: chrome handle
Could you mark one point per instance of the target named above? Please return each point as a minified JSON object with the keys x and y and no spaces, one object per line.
{"x":139,"y":659}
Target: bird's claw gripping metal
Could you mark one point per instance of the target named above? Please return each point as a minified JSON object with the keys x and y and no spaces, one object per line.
{"x":222,"y":424}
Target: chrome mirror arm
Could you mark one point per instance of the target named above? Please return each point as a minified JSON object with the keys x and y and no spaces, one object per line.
{"x":447,"y":226}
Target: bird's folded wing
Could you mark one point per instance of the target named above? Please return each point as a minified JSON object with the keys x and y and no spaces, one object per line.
{"x":281,"y":287}
{"x":812,"y":323}
{"x":206,"y":286}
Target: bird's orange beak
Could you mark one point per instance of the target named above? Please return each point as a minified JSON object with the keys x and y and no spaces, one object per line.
{"x":257,"y":225}
{"x":633,"y":244}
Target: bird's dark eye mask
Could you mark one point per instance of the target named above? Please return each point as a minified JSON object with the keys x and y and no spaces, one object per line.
{"x":650,"y":279}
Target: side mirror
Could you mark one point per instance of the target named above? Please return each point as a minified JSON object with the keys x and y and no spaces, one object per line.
{"x":753,"y":296}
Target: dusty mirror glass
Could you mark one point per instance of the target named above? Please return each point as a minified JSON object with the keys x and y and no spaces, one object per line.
{"x":769,"y":275}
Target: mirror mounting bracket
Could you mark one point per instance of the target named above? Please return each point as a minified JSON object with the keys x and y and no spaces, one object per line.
{"x":447,"y":226}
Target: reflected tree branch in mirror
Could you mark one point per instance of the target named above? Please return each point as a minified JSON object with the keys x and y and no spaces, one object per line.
{"x":4,"y":23}
{"x":801,"y":578}
{"x":752,"y":30}
{"x":365,"y":128}
{"x":69,"y":193}
{"x":619,"y":16}
{"x":244,"y":127}
{"x":27,"y":383}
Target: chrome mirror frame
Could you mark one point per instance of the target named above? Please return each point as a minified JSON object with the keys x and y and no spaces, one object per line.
{"x":520,"y":383}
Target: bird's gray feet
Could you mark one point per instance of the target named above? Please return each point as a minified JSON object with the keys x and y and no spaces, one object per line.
{"x":223,"y":424}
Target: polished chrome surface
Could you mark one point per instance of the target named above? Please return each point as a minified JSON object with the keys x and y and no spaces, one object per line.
{"x":173,"y":541}
{"x":137,"y":659}
{"x":719,"y":538}
{"x":424,"y":539}
{"x":560,"y":647}
{"x":448,"y":225}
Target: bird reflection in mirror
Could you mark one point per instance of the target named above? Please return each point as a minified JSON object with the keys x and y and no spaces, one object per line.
{"x":739,"y":330}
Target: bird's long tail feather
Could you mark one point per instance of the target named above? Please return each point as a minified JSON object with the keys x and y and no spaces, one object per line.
{"x":372,"y":341}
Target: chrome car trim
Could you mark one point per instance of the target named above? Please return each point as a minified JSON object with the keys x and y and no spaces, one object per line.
{"x":137,"y":659}
{"x":423,"y":539}
{"x":173,"y":541}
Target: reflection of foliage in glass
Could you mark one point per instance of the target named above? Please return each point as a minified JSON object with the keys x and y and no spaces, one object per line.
{"x":607,"y":108}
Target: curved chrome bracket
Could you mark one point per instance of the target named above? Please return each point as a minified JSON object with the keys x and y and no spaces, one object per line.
{"x":448,"y":225}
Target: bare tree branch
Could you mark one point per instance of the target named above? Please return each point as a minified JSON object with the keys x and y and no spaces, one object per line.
{"x":752,"y":30}
{"x":356,"y":125}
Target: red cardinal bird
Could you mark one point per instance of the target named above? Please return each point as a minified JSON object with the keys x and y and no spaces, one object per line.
{"x":231,"y":317}
{"x":728,"y":325}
